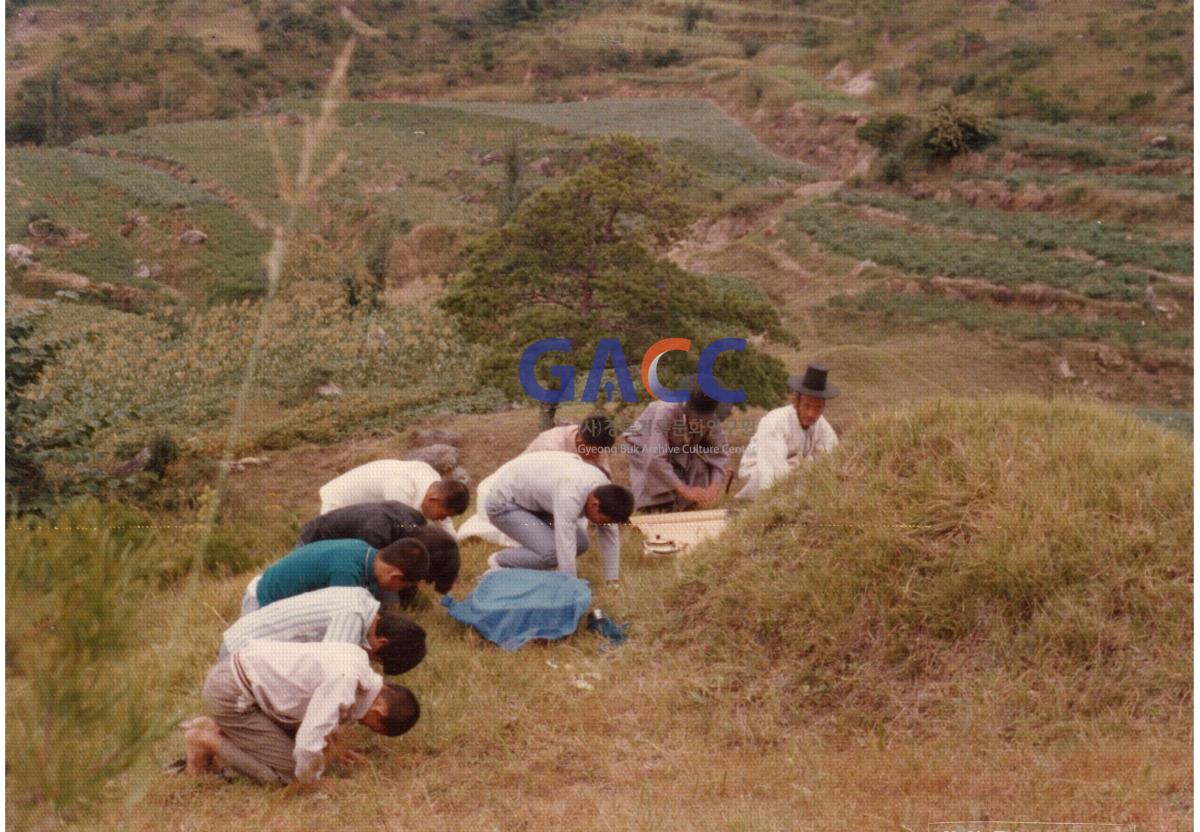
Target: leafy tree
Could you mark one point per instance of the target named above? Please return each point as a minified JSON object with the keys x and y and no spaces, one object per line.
{"x":580,"y":261}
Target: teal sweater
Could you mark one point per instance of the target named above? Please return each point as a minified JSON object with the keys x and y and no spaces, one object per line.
{"x":319,"y":565}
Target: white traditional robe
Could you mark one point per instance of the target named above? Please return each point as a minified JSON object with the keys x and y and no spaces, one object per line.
{"x":778,"y":446}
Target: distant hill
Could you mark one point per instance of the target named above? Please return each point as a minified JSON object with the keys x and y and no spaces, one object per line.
{"x":90,"y":67}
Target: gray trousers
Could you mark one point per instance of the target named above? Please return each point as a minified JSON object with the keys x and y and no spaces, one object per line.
{"x":251,"y":742}
{"x":535,"y":533}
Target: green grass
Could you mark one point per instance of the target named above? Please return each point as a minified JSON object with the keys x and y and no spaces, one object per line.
{"x":1112,"y":242}
{"x":399,"y":154}
{"x":901,"y":310}
{"x":1021,"y":567}
{"x":836,"y":227}
{"x":1081,"y":144}
{"x":806,"y":88}
{"x":665,"y":120}
{"x":1178,"y":185}
{"x":397,"y":157}
{"x":95,"y":194}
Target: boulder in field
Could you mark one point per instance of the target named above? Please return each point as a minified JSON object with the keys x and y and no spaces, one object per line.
{"x":19,"y":255}
{"x":329,"y":390}
{"x":542,"y":166}
{"x":435,"y":436}
{"x":193,"y":237}
{"x":52,"y":233}
{"x":137,"y":462}
{"x":862,"y":267}
{"x":443,"y":458}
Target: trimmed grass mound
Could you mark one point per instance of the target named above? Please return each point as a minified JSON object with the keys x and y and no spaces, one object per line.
{"x":1007,"y":567}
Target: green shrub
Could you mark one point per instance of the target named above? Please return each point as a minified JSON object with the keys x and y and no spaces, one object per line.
{"x":964,"y":84}
{"x":815,"y":35}
{"x":1026,"y":55}
{"x":752,"y":46}
{"x":1140,"y":100}
{"x":659,"y":58}
{"x":691,"y":15}
{"x":884,"y":131}
{"x":893,"y":169}
{"x":79,"y":711}
{"x":951,"y":130}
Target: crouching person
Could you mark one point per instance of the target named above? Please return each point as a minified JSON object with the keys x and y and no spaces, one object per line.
{"x":348,"y":614}
{"x":274,"y":705}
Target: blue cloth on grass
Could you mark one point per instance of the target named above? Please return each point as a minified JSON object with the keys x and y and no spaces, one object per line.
{"x":513,"y":606}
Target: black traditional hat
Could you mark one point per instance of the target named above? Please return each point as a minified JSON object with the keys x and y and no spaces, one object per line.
{"x":813,"y":383}
{"x":698,"y":401}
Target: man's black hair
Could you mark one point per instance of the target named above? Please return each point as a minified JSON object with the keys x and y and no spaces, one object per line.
{"x":405,"y":646}
{"x":453,"y":494}
{"x":444,"y":561}
{"x":403,"y":710}
{"x":597,"y":431}
{"x":407,"y":555}
{"x":616,"y":502}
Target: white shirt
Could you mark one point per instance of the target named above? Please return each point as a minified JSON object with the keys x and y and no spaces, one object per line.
{"x":316,"y":686}
{"x":336,"y":613}
{"x":405,"y":481}
{"x":562,"y":438}
{"x":779,"y":444}
{"x":556,"y":483}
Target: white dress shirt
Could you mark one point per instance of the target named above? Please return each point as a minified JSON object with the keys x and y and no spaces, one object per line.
{"x":405,"y":481}
{"x":562,"y":438}
{"x":314,"y":686}
{"x":779,"y":445}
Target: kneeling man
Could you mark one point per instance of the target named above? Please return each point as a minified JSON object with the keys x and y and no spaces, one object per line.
{"x":537,"y":500}
{"x":677,"y":453}
{"x":273,"y":705}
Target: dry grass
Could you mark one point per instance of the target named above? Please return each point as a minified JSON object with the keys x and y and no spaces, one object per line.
{"x":510,"y":741}
{"x":1023,"y":572}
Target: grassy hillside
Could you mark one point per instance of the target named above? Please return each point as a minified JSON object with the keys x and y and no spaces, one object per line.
{"x":978,"y":608}
{"x":132,"y":217}
{"x":1023,"y":571}
{"x":104,"y":67}
{"x":1006,"y":631}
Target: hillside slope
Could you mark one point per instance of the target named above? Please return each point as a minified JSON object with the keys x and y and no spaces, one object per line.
{"x":1001,"y":567}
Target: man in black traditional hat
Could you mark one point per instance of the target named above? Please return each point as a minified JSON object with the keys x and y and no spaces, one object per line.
{"x":677,"y":452}
{"x":790,"y":434}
